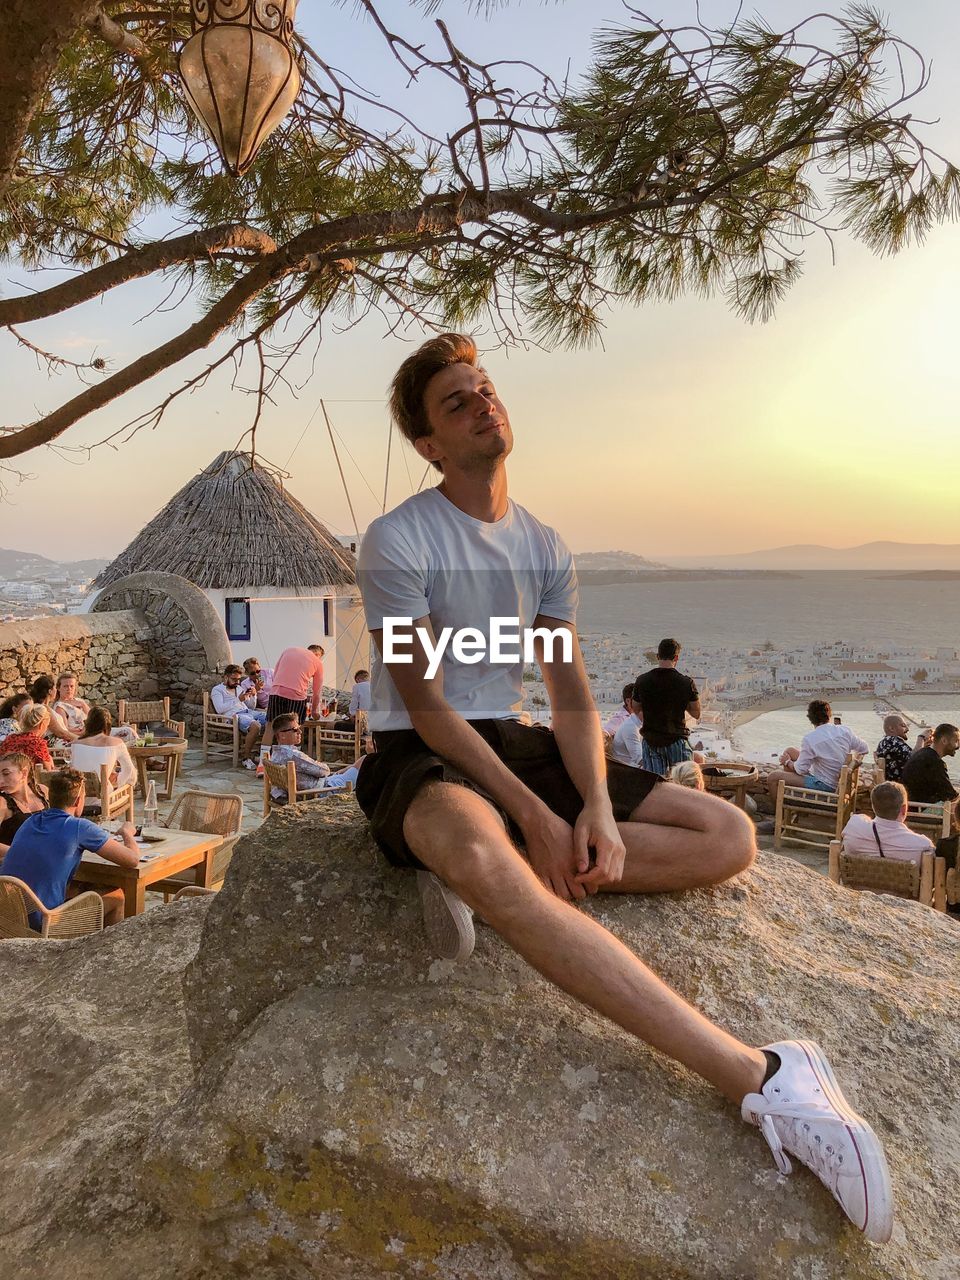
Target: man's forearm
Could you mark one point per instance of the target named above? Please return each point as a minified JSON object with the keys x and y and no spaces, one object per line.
{"x":450,"y":736}
{"x":580,"y":740}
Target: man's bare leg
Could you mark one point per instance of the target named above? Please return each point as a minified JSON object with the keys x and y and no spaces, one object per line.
{"x":678,"y":838}
{"x":250,"y":740}
{"x":460,"y":837}
{"x":787,"y":773}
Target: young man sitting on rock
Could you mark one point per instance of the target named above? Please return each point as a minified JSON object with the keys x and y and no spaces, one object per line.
{"x":519,"y":823}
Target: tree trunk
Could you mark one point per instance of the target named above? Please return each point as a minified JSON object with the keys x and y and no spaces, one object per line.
{"x":33,"y":35}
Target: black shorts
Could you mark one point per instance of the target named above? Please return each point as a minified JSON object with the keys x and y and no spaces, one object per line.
{"x":389,"y":779}
{"x":277,"y":706}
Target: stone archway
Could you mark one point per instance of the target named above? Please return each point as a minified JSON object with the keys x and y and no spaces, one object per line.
{"x":187,"y":641}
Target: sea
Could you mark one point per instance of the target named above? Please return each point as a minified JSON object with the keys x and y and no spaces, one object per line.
{"x":800,"y":609}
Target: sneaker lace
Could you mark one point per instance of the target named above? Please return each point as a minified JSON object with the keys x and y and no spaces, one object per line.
{"x":821,"y":1157}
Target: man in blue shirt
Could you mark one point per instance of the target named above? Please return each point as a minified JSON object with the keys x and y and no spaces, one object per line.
{"x":47,"y":848}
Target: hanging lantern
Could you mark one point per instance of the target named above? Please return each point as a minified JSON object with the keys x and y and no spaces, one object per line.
{"x":239,"y":72}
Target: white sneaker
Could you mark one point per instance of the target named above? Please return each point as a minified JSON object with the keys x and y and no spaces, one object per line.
{"x":802,"y":1110}
{"x":447,"y":919}
{"x":249,"y":764}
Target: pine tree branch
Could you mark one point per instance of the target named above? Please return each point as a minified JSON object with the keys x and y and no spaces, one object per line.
{"x":117,"y":37}
{"x":133,"y":266}
{"x":199,"y":335}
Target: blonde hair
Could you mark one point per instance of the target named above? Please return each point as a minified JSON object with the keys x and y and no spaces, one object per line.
{"x":66,"y":675}
{"x":687,"y":774}
{"x":35,"y":718}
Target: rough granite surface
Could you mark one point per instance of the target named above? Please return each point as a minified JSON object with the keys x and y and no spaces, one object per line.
{"x":359,"y":1110}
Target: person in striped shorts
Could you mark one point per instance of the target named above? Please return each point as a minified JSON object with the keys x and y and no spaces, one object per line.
{"x":667,"y":698}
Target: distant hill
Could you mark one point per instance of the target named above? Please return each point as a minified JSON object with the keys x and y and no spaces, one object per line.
{"x":614,"y":560}
{"x":867,"y":556}
{"x":27,"y":564}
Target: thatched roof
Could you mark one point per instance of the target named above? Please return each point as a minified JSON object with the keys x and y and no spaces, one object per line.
{"x":235,"y":525}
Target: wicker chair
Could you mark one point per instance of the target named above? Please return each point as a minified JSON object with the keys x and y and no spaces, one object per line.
{"x":79,"y":916}
{"x":925,"y":883}
{"x":807,"y":816}
{"x":119,"y":800}
{"x":284,"y":776}
{"x":932,"y":820}
{"x":221,"y":734}
{"x":155,"y":712}
{"x":211,"y":813}
{"x":342,"y":744}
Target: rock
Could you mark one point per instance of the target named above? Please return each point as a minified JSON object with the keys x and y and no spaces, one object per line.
{"x":359,"y":1110}
{"x":93,"y":1051}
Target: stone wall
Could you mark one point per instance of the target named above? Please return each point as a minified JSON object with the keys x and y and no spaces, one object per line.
{"x":110,"y":652}
{"x":187,"y":641}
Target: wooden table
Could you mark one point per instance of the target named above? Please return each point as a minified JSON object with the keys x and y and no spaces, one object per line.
{"x":168,"y":751}
{"x":737,"y":776}
{"x":174,"y":851}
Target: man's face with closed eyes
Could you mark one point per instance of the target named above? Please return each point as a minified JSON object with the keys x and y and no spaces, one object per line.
{"x":470,"y":427}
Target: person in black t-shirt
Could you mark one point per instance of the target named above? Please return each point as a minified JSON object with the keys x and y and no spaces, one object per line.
{"x":925,"y":774}
{"x":667,"y":697}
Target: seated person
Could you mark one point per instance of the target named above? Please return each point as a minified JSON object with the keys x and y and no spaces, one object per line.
{"x":42,"y":693}
{"x":622,"y":713}
{"x":687,"y":774}
{"x":99,"y":747}
{"x":256,"y":680}
{"x":894,"y":747}
{"x":21,"y":796}
{"x":627,"y":744}
{"x":10,"y":709}
{"x":886,"y":835}
{"x":287,"y":735}
{"x":925,"y":773}
{"x":31,"y":740}
{"x":337,"y":779}
{"x":359,"y":699}
{"x":71,"y":709}
{"x":47,"y":849}
{"x":822,"y":753}
{"x":228,"y":701}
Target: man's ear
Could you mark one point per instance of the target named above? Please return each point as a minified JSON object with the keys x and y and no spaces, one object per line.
{"x":426,"y":448}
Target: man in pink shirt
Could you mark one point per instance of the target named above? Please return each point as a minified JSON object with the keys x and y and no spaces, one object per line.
{"x":294,"y":673}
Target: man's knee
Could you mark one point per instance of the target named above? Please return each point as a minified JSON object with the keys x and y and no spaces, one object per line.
{"x":458,"y":834}
{"x":734,"y":840}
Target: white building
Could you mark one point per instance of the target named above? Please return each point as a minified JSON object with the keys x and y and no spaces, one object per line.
{"x":272,"y":571}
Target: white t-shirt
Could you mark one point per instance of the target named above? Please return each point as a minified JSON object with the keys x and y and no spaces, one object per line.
{"x":898,"y":841}
{"x":824,"y":749}
{"x":628,"y":742}
{"x":429,"y":557}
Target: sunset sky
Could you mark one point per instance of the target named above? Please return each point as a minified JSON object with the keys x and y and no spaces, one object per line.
{"x":689,"y":431}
